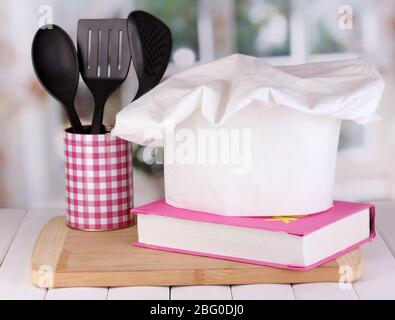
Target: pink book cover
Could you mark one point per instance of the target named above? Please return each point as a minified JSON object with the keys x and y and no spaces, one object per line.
{"x":295,"y":225}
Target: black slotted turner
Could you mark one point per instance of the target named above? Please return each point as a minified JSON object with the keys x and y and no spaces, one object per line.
{"x":104,"y":55}
{"x":150,"y":45}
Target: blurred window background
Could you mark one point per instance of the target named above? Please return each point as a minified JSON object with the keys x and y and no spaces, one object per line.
{"x":280,"y":31}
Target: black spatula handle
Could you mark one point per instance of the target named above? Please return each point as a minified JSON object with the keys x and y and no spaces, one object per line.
{"x":98,"y":113}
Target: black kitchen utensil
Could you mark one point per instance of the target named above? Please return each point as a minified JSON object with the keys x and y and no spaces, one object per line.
{"x":150,"y":44}
{"x":55,"y":63}
{"x":104,"y":54}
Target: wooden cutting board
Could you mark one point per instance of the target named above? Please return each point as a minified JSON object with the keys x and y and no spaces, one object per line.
{"x":63,"y":257}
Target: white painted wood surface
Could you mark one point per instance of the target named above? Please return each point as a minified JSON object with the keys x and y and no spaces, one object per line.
{"x":385,"y":221}
{"x":139,"y":293}
{"x":77,"y":294}
{"x":378,"y":279}
{"x":263,"y":292}
{"x":201,"y":293}
{"x":10,"y":219}
{"x":324,"y":291}
{"x":18,"y":232}
{"x":15,"y":280}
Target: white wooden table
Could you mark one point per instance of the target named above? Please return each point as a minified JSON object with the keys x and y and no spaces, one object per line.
{"x":19,"y":229}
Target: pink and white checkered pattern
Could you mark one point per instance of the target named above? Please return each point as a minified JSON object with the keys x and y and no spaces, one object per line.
{"x":98,"y":181}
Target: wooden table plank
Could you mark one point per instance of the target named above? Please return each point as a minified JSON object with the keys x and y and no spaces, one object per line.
{"x":263,"y":292}
{"x":324,"y":291}
{"x":139,"y":293}
{"x":10,"y":220}
{"x":15,"y":282}
{"x":83,"y":293}
{"x":201,"y":293}
{"x":378,"y":279}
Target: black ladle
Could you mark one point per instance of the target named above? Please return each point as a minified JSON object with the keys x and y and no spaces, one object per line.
{"x":55,"y":63}
{"x":150,"y":43}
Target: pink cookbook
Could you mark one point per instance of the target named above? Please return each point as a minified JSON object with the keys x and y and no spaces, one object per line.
{"x":291,"y":242}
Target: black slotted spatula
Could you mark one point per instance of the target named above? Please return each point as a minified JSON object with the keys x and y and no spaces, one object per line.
{"x":104,"y":54}
{"x":150,"y":44}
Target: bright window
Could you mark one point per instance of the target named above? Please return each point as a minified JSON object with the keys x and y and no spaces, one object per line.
{"x":182,"y":18}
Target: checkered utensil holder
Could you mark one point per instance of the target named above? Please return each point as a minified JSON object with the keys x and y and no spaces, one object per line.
{"x":98,"y":181}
